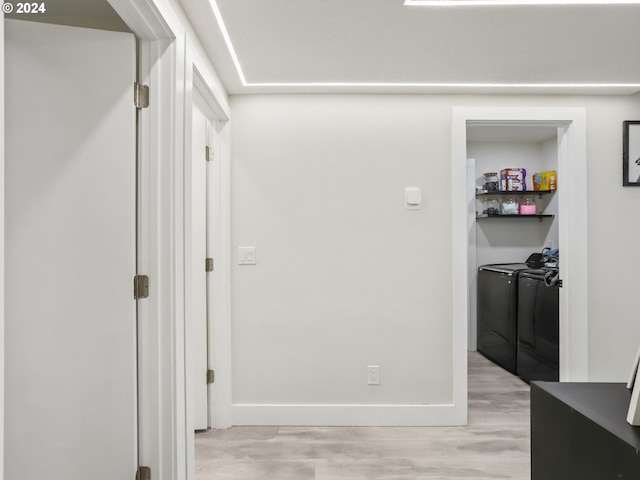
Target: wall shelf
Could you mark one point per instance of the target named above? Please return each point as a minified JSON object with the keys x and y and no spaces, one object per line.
{"x":538,"y":216}
{"x":501,"y":193}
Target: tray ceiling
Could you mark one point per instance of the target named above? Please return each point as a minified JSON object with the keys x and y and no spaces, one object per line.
{"x":385,"y":46}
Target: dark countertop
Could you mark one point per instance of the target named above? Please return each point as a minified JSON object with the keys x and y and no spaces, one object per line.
{"x":605,"y":404}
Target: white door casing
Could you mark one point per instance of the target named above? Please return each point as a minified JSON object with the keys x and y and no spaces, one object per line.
{"x":70,"y":253}
{"x":196,"y":253}
{"x":572,"y":200}
{"x":201,"y":97}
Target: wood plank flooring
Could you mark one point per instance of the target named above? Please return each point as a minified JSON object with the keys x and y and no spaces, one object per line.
{"x":495,"y":444}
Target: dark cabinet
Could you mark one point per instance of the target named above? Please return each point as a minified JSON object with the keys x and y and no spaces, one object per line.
{"x":579,"y":431}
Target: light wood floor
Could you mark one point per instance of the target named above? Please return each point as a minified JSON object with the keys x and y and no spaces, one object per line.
{"x":495,"y":444}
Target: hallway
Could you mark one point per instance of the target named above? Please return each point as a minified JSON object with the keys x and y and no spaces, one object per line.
{"x":495,"y":444}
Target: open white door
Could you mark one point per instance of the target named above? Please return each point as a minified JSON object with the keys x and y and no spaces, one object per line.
{"x":197,"y":324}
{"x":70,"y":254}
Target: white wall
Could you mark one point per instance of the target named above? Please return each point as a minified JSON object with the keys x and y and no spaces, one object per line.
{"x":614,"y":323}
{"x":550,"y":202}
{"x":347,"y":278}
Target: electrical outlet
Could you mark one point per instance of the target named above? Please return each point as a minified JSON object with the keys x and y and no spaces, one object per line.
{"x":373,"y":375}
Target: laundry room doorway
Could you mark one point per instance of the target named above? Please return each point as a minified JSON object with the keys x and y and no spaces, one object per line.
{"x":569,"y":127}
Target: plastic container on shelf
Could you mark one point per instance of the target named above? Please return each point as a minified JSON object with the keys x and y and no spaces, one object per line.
{"x":491,"y":181}
{"x":527,"y":206}
{"x":509,"y":206}
{"x":491,"y":206}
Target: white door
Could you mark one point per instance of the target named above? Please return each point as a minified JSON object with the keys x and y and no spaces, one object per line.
{"x":197,"y":294}
{"x":70,"y":254}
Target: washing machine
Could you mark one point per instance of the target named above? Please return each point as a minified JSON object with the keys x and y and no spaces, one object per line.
{"x":538,"y":327}
{"x":497,"y":313}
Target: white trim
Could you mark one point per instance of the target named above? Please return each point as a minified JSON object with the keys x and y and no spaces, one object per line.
{"x":472,"y":333}
{"x":162,"y":422}
{"x":573,"y":233}
{"x":220,"y":326}
{"x":572,"y":200}
{"x":459,"y":265}
{"x":2,"y":122}
{"x":218,"y":238}
{"x":348,"y":415}
{"x":143,"y":18}
{"x":185,"y":228}
{"x":161,"y":381}
{"x":204,"y":96}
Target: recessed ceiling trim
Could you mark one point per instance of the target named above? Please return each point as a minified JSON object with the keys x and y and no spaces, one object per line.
{"x":467,"y":3}
{"x":446,"y":85}
{"x":625,"y":88}
{"x":227,"y":41}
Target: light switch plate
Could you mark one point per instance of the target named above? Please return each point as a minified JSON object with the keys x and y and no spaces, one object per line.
{"x":246,"y":255}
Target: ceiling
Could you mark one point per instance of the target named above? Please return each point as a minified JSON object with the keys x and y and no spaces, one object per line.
{"x":384,"y":46}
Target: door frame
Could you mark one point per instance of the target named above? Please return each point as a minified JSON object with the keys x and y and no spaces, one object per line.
{"x":572,"y":202}
{"x":167,"y":51}
{"x":162,"y":446}
{"x":219,"y":247}
{"x":218,"y":241}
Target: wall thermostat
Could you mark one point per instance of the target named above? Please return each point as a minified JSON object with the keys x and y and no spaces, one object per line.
{"x":412,"y":198}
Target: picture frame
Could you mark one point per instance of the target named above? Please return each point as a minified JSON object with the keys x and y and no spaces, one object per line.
{"x":633,"y":384}
{"x":631,"y":153}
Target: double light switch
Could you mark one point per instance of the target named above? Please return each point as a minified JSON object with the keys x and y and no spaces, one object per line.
{"x":246,"y":255}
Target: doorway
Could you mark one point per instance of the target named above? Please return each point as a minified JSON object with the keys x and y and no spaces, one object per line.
{"x":199,"y":263}
{"x":570,"y":125}
{"x":207,"y":236}
{"x":500,"y":240}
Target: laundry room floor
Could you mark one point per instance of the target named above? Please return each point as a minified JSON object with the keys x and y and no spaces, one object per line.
{"x":495,"y":444}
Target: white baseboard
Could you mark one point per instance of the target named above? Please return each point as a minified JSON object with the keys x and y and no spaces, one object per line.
{"x":350,"y":415}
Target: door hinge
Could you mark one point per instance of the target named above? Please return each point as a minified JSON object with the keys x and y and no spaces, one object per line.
{"x":211,"y":376}
{"x":143,"y":473}
{"x":140,"y":95}
{"x":208,"y":265}
{"x":208,"y":153}
{"x":140,"y":286}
